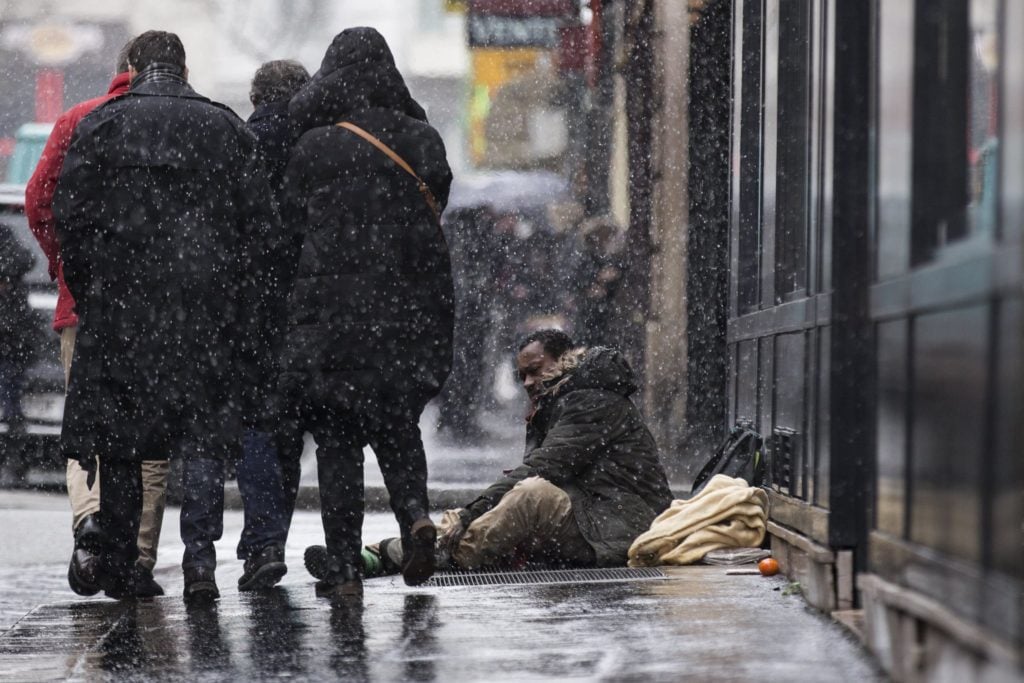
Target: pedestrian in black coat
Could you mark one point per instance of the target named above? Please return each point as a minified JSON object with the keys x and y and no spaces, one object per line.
{"x":19,"y":331}
{"x":370,"y":334}
{"x":273,"y":86}
{"x":169,"y":237}
{"x":473,"y":252}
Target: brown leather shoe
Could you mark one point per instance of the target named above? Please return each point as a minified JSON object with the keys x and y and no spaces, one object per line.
{"x":418,"y":561}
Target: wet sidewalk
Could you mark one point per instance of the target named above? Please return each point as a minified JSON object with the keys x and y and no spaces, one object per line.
{"x":699,"y":625}
{"x":696,"y":623}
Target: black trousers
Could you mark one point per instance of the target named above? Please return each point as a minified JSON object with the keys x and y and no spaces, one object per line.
{"x":391,"y":429}
{"x":290,"y":442}
{"x":120,"y":511}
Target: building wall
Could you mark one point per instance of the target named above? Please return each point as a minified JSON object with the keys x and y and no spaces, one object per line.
{"x":653,"y":301}
{"x":875,"y":328}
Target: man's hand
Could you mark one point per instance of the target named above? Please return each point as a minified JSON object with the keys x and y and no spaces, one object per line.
{"x":449,"y":541}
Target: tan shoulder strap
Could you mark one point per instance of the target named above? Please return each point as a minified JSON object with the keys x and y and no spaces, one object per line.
{"x":428,"y":196}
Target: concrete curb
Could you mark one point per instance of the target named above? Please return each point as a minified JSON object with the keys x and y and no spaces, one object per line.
{"x":442,"y":497}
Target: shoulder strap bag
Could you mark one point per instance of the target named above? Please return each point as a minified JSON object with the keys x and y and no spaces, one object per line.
{"x":428,"y":196}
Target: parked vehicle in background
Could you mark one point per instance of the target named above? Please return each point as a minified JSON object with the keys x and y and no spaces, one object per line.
{"x":42,"y":401}
{"x":28,"y":147}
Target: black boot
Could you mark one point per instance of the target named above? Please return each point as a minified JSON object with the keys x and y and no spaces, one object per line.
{"x":145,"y":585}
{"x":317,"y":561}
{"x":84,"y":569}
{"x":263,"y":570}
{"x":336,"y":579}
{"x":200,"y":586}
{"x":418,"y":558}
{"x":343,"y":584}
{"x":117,"y":577}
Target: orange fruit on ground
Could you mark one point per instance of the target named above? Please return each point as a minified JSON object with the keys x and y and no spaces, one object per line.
{"x":769,"y":566}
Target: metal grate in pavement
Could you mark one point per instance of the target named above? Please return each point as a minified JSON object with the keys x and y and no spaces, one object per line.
{"x":467,"y":578}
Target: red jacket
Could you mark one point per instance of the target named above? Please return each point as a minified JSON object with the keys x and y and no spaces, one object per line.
{"x":39,"y":194}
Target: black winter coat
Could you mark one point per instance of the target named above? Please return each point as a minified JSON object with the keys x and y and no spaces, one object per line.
{"x":19,"y":330}
{"x":275,"y":135}
{"x":169,"y":239}
{"x":587,"y":438}
{"x":371,"y":313}
{"x":275,"y":138}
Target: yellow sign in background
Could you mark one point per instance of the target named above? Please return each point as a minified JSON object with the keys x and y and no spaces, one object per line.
{"x":493,"y":68}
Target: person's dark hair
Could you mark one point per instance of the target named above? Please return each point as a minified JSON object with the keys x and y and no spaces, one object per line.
{"x":122,"y":57}
{"x":553,"y":341}
{"x":276,"y":81}
{"x":157,"y":46}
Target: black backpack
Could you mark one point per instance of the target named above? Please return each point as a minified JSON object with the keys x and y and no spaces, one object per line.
{"x":738,"y":456}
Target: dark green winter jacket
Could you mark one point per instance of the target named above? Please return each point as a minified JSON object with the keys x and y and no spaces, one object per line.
{"x":587,"y":438}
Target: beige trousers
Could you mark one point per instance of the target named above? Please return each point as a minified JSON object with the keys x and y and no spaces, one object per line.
{"x":86,"y":501}
{"x":533,"y":520}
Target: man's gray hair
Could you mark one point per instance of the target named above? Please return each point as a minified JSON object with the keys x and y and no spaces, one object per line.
{"x":276,"y":81}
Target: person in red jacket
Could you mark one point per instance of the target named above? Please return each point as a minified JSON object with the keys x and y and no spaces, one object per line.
{"x":85,"y":501}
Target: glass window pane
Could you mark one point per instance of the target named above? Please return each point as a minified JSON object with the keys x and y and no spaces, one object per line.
{"x":793,"y":148}
{"x":983,"y":124}
{"x":750,"y":160}
{"x":956,"y":123}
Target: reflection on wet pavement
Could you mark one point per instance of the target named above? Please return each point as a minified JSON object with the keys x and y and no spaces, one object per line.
{"x":700,"y":624}
{"x":419,"y":623}
{"x":697,"y":624}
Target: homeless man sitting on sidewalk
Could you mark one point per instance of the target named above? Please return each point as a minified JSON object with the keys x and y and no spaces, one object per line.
{"x":590,"y":482}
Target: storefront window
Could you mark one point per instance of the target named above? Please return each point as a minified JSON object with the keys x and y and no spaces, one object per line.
{"x":748,"y":283}
{"x":792,"y":185}
{"x":983,"y":124}
{"x":955,"y":124}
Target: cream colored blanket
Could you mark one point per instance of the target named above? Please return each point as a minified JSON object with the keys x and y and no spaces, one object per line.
{"x":725,"y":514}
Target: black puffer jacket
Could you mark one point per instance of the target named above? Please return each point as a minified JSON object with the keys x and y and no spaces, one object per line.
{"x":170,"y":242}
{"x":372,"y":307}
{"x":587,"y":438}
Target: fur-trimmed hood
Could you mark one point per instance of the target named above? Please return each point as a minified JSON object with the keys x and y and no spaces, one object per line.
{"x":598,"y":367}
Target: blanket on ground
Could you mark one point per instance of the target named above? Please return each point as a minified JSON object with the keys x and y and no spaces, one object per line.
{"x":727,"y":513}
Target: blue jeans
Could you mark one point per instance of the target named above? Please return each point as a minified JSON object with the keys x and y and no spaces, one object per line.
{"x":202,"y":507}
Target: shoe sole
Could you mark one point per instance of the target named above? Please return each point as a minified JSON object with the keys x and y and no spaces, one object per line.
{"x":121,"y":596}
{"x":266,"y":576}
{"x":201,"y":593}
{"x":78,"y":586}
{"x":420,"y":564}
{"x":148,"y":594}
{"x":315,"y":559}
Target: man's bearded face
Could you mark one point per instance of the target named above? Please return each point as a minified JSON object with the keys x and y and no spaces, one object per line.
{"x":533,"y":364}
